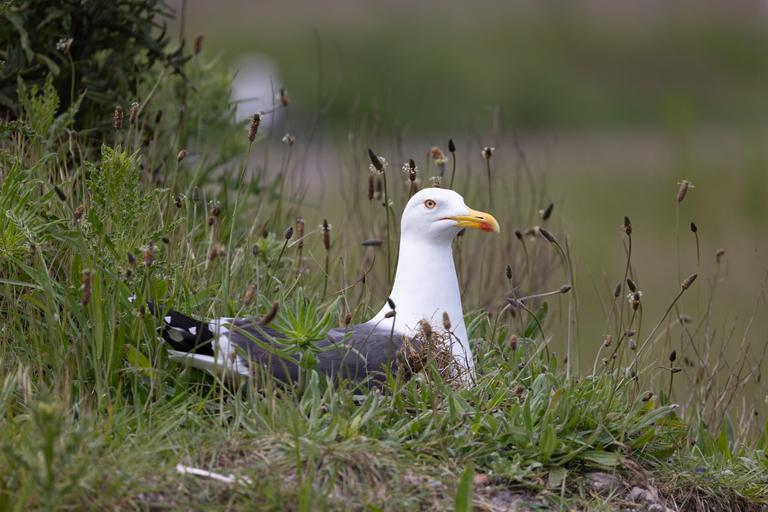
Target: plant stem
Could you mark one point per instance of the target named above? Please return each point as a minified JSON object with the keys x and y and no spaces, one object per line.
{"x":490,"y":185}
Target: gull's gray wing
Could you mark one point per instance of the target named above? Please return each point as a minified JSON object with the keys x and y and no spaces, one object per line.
{"x":356,"y":352}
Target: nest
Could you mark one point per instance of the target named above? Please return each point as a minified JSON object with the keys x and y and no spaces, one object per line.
{"x":431,"y":349}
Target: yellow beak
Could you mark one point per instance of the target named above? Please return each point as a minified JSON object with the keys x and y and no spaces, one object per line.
{"x":477,"y":220}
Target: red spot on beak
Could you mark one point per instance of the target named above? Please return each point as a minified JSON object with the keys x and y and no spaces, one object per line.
{"x":486,"y":226}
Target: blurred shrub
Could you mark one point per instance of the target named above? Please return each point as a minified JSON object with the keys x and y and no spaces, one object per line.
{"x":99,"y":49}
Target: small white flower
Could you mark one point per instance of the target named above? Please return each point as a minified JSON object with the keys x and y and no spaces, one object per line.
{"x":436,"y":181}
{"x":63,"y":45}
{"x":488,"y":152}
{"x":407,"y":168}
{"x":289,"y":139}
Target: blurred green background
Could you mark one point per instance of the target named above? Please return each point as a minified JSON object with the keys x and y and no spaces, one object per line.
{"x":570,"y":65}
{"x":613,"y":102}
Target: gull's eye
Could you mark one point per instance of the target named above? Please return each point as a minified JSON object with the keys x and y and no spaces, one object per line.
{"x":430,"y":203}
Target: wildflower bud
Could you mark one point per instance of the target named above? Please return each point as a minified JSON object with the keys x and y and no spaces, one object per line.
{"x":426,"y":329}
{"x":607,"y":340}
{"x":565,"y":288}
{"x":675,"y":369}
{"x":289,"y":139}
{"x":519,"y":235}
{"x":211,"y":220}
{"x":284,"y":97}
{"x":271,"y":314}
{"x":255,"y":250}
{"x":250,"y":293}
{"x":375,"y":161}
{"x":371,"y":186}
{"x":446,"y":321}
{"x":253,"y":127}
{"x":647,"y":396}
{"x":688,"y":281}
{"x":719,"y":255}
{"x":632,"y":344}
{"x":198,"y":46}
{"x":131,"y":259}
{"x":683,"y":190}
{"x":78,"y":213}
{"x":215,"y":251}
{"x":347,"y":319}
{"x":133,"y":112}
{"x":512,"y":342}
{"x":631,"y":285}
{"x":195,"y":193}
{"x":326,"y":235}
{"x":117,"y":117}
{"x":549,"y":236}
{"x":627,"y":226}
{"x":509,"y":272}
{"x":411,"y":170}
{"x":60,"y":193}
{"x":300,"y":231}
{"x":451,"y":146}
{"x":177,"y":200}
{"x":617,"y":290}
{"x":149,"y":254}
{"x":166,"y":240}
{"x":181,"y":154}
{"x":391,"y":303}
{"x":487,"y":152}
{"x":694,"y":227}
{"x":390,"y":314}
{"x":86,"y":288}
{"x":288,"y":233}
{"x":373,"y":242}
{"x":216,"y":209}
{"x":636,"y":300}
{"x":546,"y":213}
{"x":672,"y":356}
{"x":158,"y":116}
{"x":629,"y":333}
{"x":685,"y":319}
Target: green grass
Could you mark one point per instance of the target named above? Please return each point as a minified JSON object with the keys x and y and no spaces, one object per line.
{"x":95,"y":416}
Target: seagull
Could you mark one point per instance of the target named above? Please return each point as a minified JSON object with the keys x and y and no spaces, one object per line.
{"x":425,"y":295}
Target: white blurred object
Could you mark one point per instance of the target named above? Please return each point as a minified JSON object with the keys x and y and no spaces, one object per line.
{"x":255,"y":87}
{"x":204,"y":473}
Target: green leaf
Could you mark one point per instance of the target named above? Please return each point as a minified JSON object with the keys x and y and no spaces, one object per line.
{"x":547,"y":442}
{"x":650,"y":418}
{"x":533,"y":329}
{"x":463,"y":502}
{"x":137,"y":359}
{"x":602,"y":457}
{"x":556,"y":477}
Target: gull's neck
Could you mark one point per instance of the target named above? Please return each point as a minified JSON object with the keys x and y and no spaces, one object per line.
{"x":425,"y":286}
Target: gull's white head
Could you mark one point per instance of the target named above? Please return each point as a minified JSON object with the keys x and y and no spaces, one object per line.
{"x":438,"y":214}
